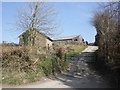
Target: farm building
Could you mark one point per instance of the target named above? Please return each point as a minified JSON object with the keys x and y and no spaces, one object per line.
{"x":68,"y":39}
{"x":33,"y":37}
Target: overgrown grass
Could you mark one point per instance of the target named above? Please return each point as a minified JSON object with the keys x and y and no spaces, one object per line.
{"x":21,"y":65}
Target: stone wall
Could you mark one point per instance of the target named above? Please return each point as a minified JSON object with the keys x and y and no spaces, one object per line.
{"x":68,"y":41}
{"x":33,"y":38}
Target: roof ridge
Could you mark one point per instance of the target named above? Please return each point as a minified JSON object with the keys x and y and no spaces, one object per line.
{"x":68,"y":36}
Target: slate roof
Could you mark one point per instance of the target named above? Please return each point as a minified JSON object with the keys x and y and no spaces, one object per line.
{"x":67,"y":37}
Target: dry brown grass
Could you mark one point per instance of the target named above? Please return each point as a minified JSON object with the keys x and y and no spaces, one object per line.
{"x":22,"y":64}
{"x":17,"y":57}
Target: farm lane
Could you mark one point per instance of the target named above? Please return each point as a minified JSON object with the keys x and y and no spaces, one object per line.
{"x":80,"y":74}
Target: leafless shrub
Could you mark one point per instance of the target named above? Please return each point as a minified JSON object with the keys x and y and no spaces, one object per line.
{"x":107,"y":23}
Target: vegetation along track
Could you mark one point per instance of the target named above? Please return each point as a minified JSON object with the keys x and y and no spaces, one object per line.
{"x":80,"y":74}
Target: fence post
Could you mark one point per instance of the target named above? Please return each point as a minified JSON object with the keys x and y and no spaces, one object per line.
{"x":65,"y":56}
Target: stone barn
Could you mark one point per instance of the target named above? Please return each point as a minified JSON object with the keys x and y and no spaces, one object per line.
{"x":68,"y":39}
{"x":33,"y":37}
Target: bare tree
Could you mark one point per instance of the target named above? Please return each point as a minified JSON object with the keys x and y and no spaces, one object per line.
{"x":38,"y":15}
{"x":107,"y":25}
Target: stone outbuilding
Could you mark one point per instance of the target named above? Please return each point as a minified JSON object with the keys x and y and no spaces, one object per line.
{"x":68,"y":39}
{"x":33,"y":37}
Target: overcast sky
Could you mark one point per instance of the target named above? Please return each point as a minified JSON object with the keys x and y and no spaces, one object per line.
{"x":73,"y":19}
